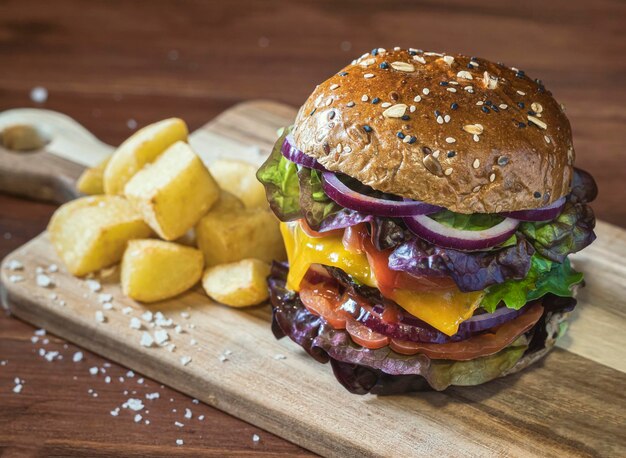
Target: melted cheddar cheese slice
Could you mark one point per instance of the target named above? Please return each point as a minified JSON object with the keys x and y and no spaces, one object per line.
{"x":444,"y":309}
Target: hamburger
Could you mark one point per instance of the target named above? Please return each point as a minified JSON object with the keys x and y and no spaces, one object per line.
{"x":428,"y":205}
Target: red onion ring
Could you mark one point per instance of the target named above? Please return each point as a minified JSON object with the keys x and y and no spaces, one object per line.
{"x":449,"y":237}
{"x":346,"y":197}
{"x":289,"y":150}
{"x":538,"y":214}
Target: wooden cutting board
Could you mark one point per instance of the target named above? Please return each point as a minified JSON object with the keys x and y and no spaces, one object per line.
{"x":571,"y":404}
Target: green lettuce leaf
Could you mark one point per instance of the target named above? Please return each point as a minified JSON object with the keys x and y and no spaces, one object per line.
{"x":544,"y":276}
{"x":279,"y":176}
{"x":314,"y":203}
{"x":568,"y":233}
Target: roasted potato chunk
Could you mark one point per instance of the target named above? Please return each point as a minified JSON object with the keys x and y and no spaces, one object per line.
{"x":174,"y":192}
{"x":239,"y":178}
{"x":143,"y":147}
{"x":91,"y":180}
{"x":238,"y":284}
{"x":233,"y":235}
{"x":154,"y":270}
{"x":226,"y":202}
{"x":91,"y":233}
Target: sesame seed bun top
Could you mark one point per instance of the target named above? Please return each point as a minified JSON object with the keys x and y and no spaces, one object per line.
{"x":463,"y":133}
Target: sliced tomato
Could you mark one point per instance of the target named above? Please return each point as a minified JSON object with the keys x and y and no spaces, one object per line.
{"x":477,"y":346}
{"x":365,"y":337}
{"x":353,"y":237}
{"x":321,"y":300}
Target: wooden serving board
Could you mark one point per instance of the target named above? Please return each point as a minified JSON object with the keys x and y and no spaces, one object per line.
{"x":572,"y":404}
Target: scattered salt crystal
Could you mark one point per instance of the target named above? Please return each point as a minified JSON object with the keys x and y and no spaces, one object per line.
{"x":146,"y":340}
{"x":107,"y":379}
{"x":51,"y":355}
{"x":115,"y":412}
{"x":279,"y":356}
{"x":188,"y":414}
{"x":195,"y":401}
{"x":223,"y":358}
{"x":133,"y":404}
{"x":52,"y":268}
{"x":171,"y":347}
{"x":39,"y":94}
{"x":178,"y":329}
{"x":40,"y":332}
{"x":121,"y":380}
{"x":255,"y":438}
{"x":93,"y":370}
{"x":46,"y":341}
{"x":130,"y":374}
{"x":135,"y":323}
{"x":4,"y":362}
{"x":62,"y":303}
{"x":16,"y":278}
{"x":140,"y":380}
{"x":17,"y":388}
{"x":14,"y":264}
{"x":161,"y":336}
{"x":201,"y":418}
{"x":100,"y":318}
{"x":193,"y":342}
{"x":131,"y":124}
{"x":138,"y":418}
{"x":42,"y":352}
{"x":185,"y":360}
{"x":179,"y":424}
{"x":107,"y":306}
{"x":105,"y":297}
{"x":191,"y":326}
{"x":152,"y":396}
{"x":34,"y":339}
{"x":184,"y":315}
{"x":147,"y":422}
{"x":127,"y":310}
{"x":179,"y":442}
{"x":94,"y":285}
{"x":77,"y":357}
{"x":164,"y":322}
{"x":147,"y":316}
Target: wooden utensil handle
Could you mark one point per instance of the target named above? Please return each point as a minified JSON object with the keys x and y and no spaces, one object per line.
{"x":48,"y":173}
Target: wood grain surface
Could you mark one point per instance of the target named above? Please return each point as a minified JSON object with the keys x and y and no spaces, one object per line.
{"x":113,"y":64}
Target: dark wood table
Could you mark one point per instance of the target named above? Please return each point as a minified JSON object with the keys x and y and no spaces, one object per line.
{"x":116,"y":64}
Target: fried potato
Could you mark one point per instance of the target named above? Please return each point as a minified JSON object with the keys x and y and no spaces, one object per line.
{"x":239,"y":178}
{"x":238,"y":284}
{"x":154,"y":270}
{"x":226,"y":202}
{"x":174,"y":192}
{"x":91,"y":233}
{"x":143,"y":147}
{"x":233,"y":235}
{"x":91,"y":180}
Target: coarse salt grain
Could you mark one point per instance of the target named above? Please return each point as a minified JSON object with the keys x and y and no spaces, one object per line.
{"x":188,"y":414}
{"x":93,"y":285}
{"x":105,"y":297}
{"x":14,"y":264}
{"x":185,"y":360}
{"x":179,"y":442}
{"x":147,"y":316}
{"x":77,"y":357}
{"x":100,"y":318}
{"x":93,"y":370}
{"x":161,"y":336}
{"x":134,"y":404}
{"x":135,"y":323}
{"x":146,"y":340}
{"x":44,"y":281}
{"x":127,"y":310}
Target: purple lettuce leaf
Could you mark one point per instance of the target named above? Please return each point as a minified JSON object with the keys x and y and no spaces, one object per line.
{"x":471,"y":271}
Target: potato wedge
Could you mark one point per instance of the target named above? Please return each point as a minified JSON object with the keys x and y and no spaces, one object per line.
{"x":239,"y":178}
{"x":154,"y":270}
{"x":142,"y":147}
{"x":226,"y":202}
{"x":174,"y":192}
{"x":91,"y":233}
{"x":238,"y":284}
{"x":233,"y":235}
{"x":90,"y":181}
